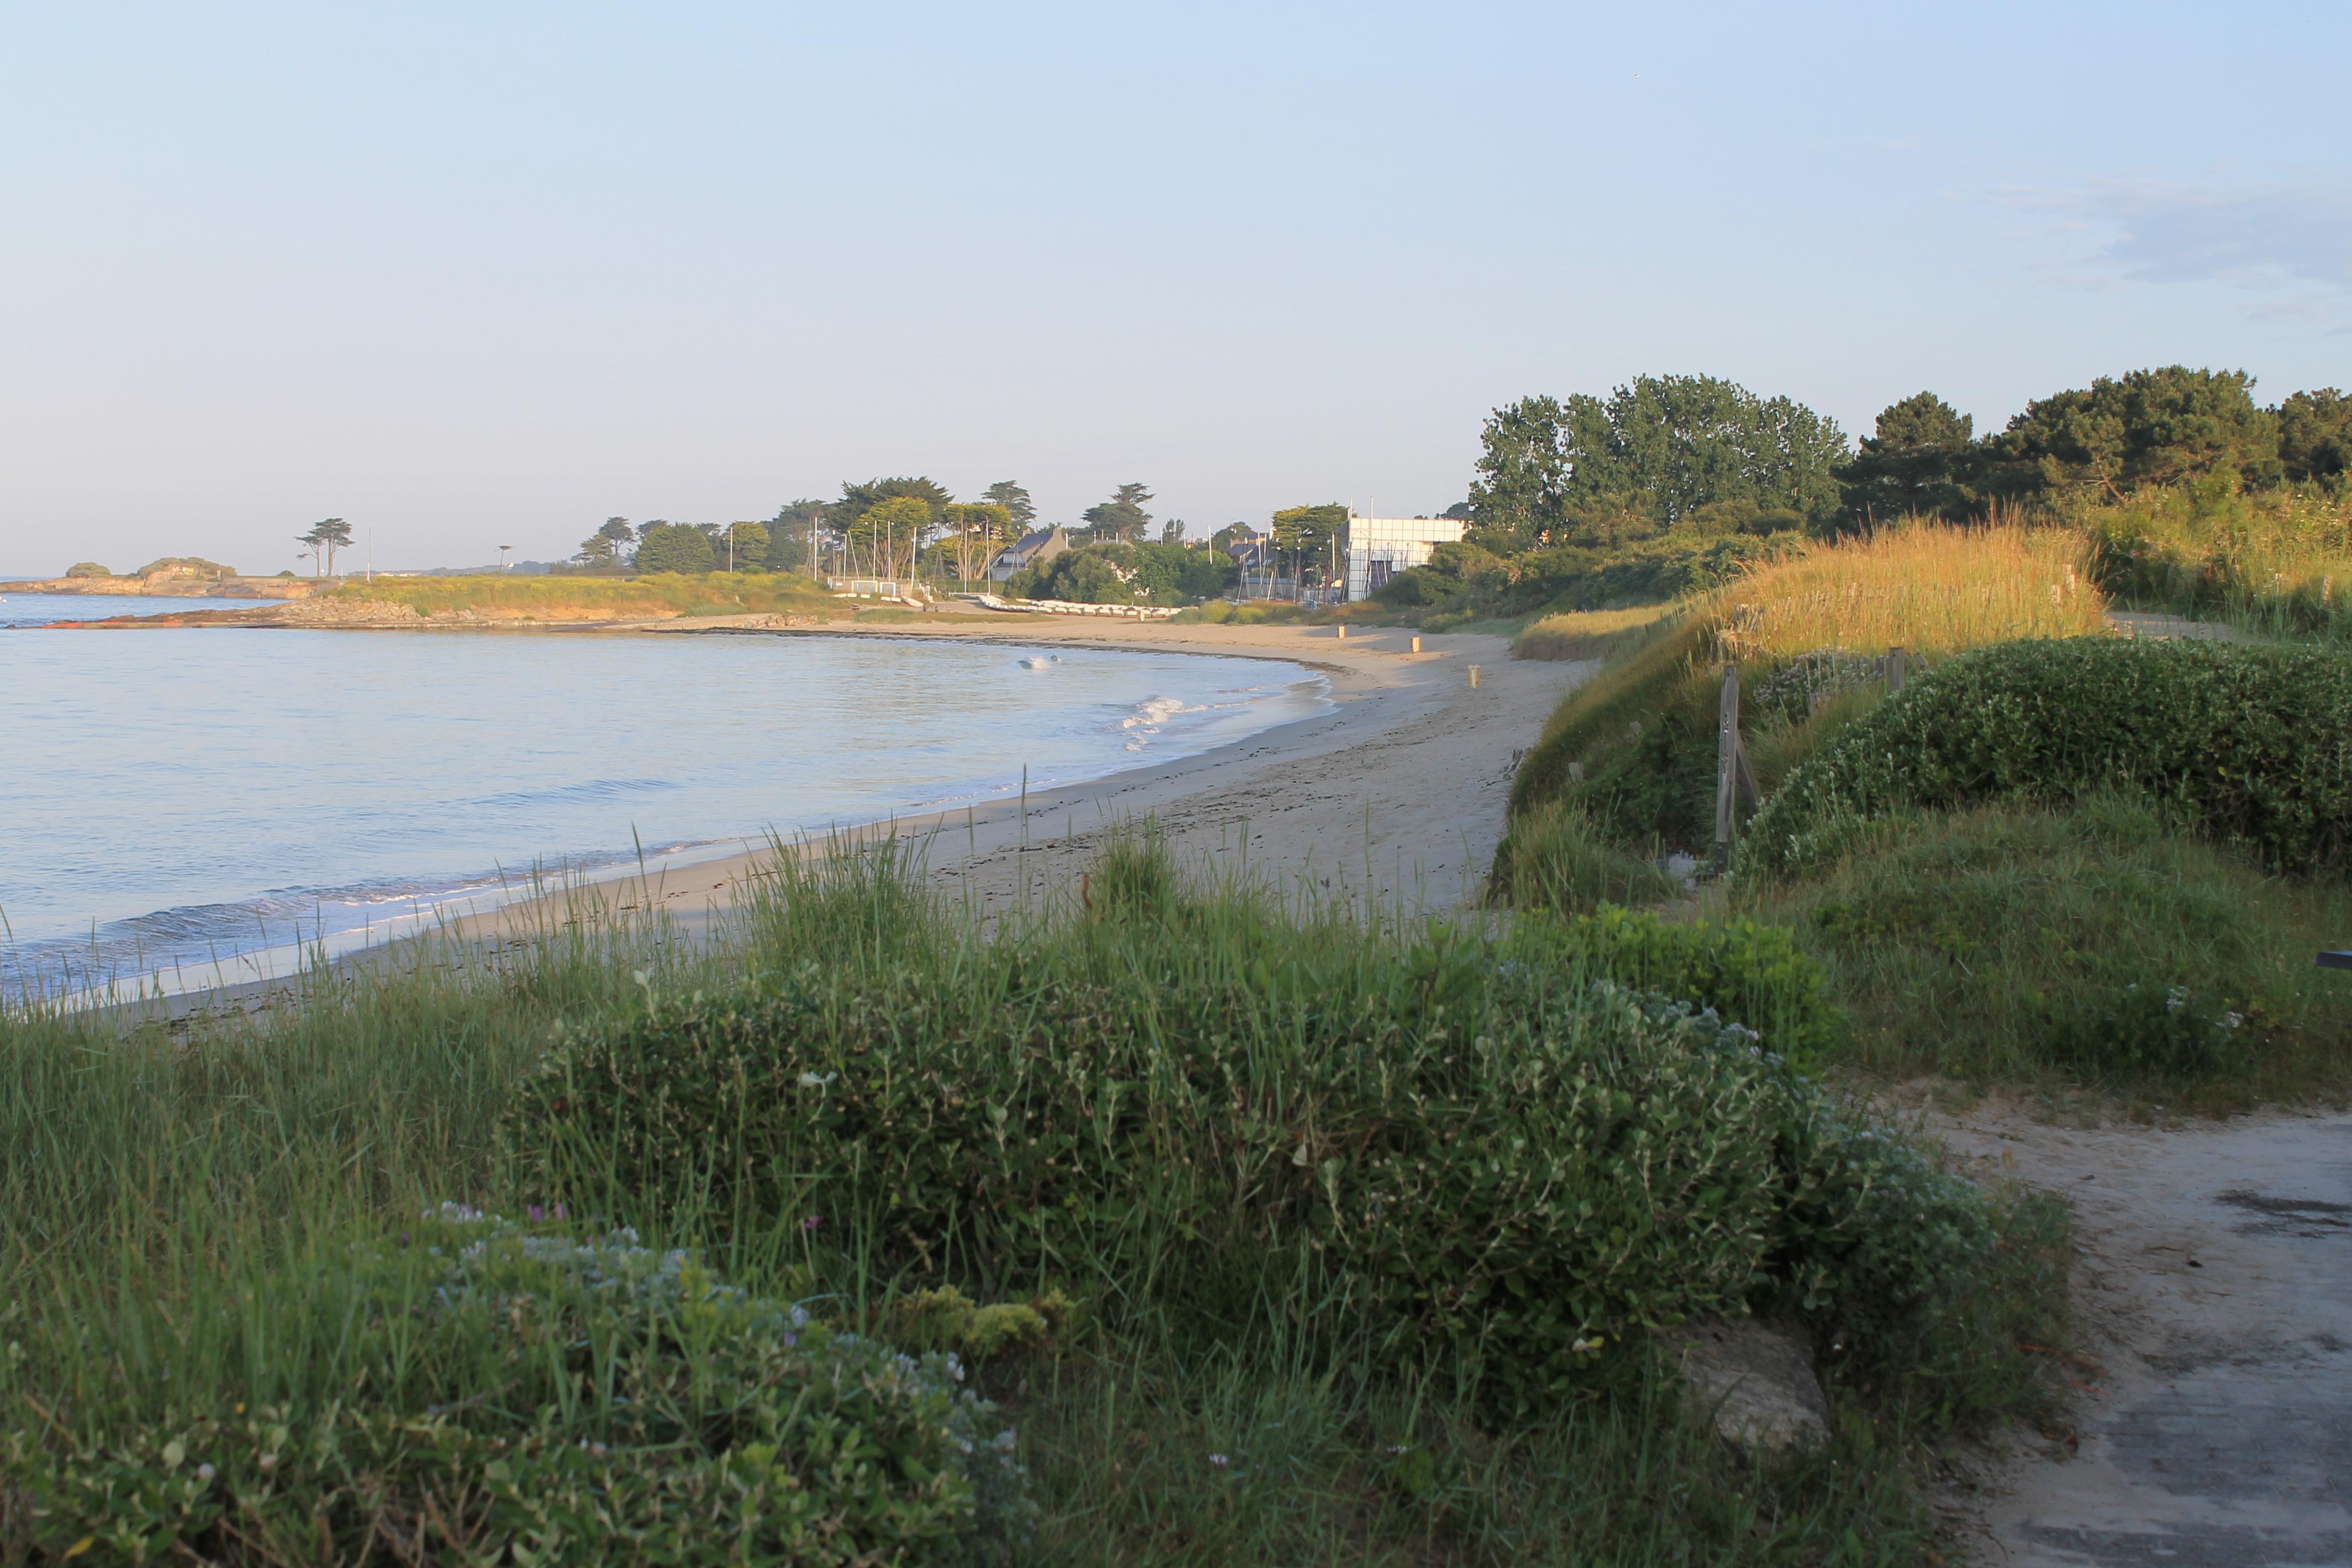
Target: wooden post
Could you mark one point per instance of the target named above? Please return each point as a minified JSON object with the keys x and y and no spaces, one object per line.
{"x":1473,"y":675}
{"x":1416,"y":644}
{"x":1894,"y":669}
{"x":1726,"y":764}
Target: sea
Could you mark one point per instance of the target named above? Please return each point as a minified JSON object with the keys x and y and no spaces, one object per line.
{"x":187,"y":806}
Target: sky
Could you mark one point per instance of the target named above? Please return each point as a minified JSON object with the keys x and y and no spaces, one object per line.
{"x":486,"y":273}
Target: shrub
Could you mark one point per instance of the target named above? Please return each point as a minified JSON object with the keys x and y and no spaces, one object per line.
{"x":1754,"y":974}
{"x":561,"y":1400}
{"x":1467,"y":1152}
{"x":87,"y":569}
{"x":2254,"y":744}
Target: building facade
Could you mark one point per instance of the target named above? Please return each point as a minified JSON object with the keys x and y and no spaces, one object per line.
{"x":1377,"y":548}
{"x":1041,"y":545}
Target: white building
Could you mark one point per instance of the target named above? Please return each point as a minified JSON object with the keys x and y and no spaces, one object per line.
{"x":1377,"y":548}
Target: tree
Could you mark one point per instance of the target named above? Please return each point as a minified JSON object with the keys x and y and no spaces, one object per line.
{"x":844,"y":516}
{"x":794,"y":535}
{"x":1172,"y":531}
{"x":975,"y":529}
{"x":1308,"y":533}
{"x":1914,"y":465}
{"x":604,"y":547}
{"x":324,"y":538}
{"x":1015,"y":501}
{"x":673,"y":547}
{"x":2315,"y":436}
{"x":1122,"y":517}
{"x":747,"y":541}
{"x":2160,"y":427}
{"x":1664,"y":445}
{"x":1525,"y":462}
{"x":890,"y":530}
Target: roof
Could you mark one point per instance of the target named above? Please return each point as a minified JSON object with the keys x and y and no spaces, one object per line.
{"x":1035,"y":540}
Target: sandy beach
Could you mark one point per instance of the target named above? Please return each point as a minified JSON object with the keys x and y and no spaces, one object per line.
{"x":1396,"y":795}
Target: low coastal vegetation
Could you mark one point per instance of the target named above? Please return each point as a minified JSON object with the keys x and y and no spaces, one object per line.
{"x":2056,"y":857}
{"x":1171,"y":1225}
{"x":656,"y":596}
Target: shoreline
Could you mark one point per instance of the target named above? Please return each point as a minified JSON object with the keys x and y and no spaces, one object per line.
{"x":1394,"y":798}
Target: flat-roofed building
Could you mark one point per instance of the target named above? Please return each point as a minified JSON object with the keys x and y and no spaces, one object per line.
{"x":1377,"y":548}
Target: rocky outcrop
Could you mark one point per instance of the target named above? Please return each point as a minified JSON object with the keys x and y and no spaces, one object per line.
{"x":347,"y":613}
{"x":1754,"y":1381}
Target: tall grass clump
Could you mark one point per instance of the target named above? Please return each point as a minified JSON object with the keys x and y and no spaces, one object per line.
{"x":1590,"y":633}
{"x":2276,"y":562}
{"x":1923,"y":587}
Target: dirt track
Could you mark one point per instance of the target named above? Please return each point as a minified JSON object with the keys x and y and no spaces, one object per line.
{"x":2215,"y":1286}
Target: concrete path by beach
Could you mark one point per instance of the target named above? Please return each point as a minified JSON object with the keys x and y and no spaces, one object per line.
{"x":2214,"y":1294}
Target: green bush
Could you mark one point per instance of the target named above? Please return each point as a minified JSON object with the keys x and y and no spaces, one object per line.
{"x":507,"y":1394}
{"x":1467,"y":1150}
{"x":1753,"y":973}
{"x":87,"y":569}
{"x":2253,"y":744}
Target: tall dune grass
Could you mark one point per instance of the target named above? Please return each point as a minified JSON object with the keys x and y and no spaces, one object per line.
{"x":1918,"y":586}
{"x":2277,"y":564}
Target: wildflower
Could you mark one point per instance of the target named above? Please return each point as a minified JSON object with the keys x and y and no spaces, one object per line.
{"x":2175,"y":999}
{"x":534,"y":1213}
{"x":206,"y":1473}
{"x":1219,"y":1460}
{"x":813,"y":1221}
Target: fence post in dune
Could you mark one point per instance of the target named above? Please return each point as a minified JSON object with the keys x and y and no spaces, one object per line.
{"x":1474,"y":677}
{"x":1726,"y":764}
{"x":1343,"y":631}
{"x":1894,"y":669}
{"x":1416,"y":644}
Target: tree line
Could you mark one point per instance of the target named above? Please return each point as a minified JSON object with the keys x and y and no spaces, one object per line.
{"x":1663,"y":450}
{"x":891,"y":528}
{"x":1673,"y":484}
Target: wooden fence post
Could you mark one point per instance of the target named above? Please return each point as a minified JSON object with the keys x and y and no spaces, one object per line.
{"x":1895,"y":670}
{"x":1726,"y":764}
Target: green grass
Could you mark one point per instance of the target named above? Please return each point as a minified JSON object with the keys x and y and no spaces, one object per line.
{"x":2276,"y":563}
{"x":585,"y":598}
{"x":2043,"y":949}
{"x":183,"y":1203}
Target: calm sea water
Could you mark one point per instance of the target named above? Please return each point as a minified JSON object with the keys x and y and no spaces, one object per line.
{"x":173,"y":801}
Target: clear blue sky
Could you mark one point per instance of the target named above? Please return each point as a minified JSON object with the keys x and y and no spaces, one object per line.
{"x":483,"y":274}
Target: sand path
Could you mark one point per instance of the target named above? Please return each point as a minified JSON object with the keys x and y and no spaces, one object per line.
{"x":2214,"y":1289}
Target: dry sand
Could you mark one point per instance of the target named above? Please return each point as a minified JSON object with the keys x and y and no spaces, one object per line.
{"x":1397,"y":795}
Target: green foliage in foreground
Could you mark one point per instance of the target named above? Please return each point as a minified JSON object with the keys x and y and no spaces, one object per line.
{"x":1739,"y":968}
{"x":2100,"y":944}
{"x":1479,"y":1153}
{"x":2255,"y":744}
{"x":491,"y":1391}
{"x":199,"y":1215}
